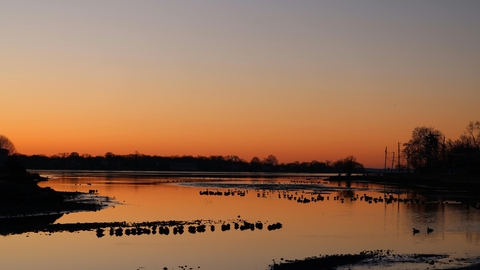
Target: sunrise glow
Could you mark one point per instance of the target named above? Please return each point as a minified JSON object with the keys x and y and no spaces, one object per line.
{"x":308,"y":80}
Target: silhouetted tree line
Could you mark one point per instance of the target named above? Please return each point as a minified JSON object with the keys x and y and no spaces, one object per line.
{"x":16,"y":163}
{"x":428,"y":151}
{"x":137,"y":161}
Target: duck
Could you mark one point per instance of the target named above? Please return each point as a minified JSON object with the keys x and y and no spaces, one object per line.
{"x":415,"y":231}
{"x":429,"y":230}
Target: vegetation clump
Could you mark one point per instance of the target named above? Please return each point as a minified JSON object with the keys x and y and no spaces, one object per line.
{"x":328,"y":261}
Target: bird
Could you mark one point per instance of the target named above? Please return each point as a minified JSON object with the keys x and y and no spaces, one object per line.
{"x":429,"y":230}
{"x":415,"y":231}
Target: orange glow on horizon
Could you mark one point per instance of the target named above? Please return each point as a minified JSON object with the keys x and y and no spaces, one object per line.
{"x":368,"y":151}
{"x":320,"y":86}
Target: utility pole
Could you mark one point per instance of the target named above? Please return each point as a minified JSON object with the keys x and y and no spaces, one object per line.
{"x":444,"y":158}
{"x":385,"y":168}
{"x":393,"y":160}
{"x":398,"y":157}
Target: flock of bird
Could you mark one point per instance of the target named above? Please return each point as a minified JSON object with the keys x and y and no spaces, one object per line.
{"x":180,"y":229}
{"x":308,"y":197}
{"x":312,"y":196}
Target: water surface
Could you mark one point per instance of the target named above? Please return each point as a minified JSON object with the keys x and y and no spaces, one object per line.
{"x":343,"y":222}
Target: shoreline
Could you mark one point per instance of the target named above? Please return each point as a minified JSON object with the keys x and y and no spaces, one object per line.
{"x":379,"y":259}
{"x":72,"y":203}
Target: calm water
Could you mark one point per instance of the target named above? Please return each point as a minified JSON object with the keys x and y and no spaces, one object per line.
{"x":342,"y":223}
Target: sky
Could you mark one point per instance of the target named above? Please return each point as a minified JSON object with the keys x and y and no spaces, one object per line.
{"x":302,"y":80}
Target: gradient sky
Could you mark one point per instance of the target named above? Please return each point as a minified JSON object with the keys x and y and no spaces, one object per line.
{"x":302,"y":80}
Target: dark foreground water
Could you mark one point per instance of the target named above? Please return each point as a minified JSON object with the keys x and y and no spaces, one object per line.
{"x":315,"y":217}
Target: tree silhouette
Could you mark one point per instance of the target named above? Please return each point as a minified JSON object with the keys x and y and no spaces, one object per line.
{"x":271,"y":160}
{"x":423,"y":150}
{"x":255,"y":164}
{"x":348,"y":165}
{"x":472,"y":134}
{"x":5,"y":143}
{"x":463,"y":155}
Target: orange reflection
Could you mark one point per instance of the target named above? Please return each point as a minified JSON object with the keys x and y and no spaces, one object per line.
{"x":343,"y":222}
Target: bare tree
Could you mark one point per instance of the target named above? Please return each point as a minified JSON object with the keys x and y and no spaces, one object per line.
{"x":423,"y":151}
{"x":472,"y":134}
{"x":5,"y":143}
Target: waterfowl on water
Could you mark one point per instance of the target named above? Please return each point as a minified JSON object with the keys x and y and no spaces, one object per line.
{"x":429,"y":230}
{"x":415,"y":231}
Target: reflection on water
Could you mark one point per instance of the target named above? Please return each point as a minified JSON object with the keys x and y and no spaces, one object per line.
{"x":19,"y":225}
{"x":315,"y":217}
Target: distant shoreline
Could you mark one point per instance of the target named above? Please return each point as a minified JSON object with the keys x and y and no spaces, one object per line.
{"x":454,"y":182}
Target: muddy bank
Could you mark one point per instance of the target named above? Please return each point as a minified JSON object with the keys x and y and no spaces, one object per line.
{"x":379,"y":259}
{"x":20,"y":196}
{"x":325,"y":262}
{"x":63,"y":202}
{"x":19,"y":225}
